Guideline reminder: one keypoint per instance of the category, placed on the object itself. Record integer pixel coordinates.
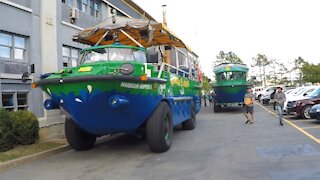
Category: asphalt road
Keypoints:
(310, 126)
(221, 147)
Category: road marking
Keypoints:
(302, 120)
(293, 125)
(311, 127)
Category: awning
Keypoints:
(146, 32)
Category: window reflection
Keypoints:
(231, 76)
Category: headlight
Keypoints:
(318, 110)
(126, 69)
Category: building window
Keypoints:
(94, 8)
(84, 6)
(22, 101)
(70, 3)
(14, 101)
(79, 4)
(12, 47)
(70, 56)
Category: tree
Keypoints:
(283, 70)
(262, 61)
(311, 72)
(298, 64)
(206, 83)
(274, 64)
(229, 57)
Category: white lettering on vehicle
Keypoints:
(135, 86)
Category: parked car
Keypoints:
(315, 112)
(265, 99)
(267, 91)
(302, 107)
(265, 95)
(257, 92)
(298, 94)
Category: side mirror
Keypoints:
(153, 57)
(305, 94)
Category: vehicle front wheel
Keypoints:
(159, 129)
(77, 138)
(216, 108)
(306, 112)
(190, 123)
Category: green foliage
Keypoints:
(26, 127)
(6, 131)
(261, 60)
(206, 83)
(311, 72)
(229, 57)
(298, 64)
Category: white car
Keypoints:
(299, 94)
(257, 92)
(265, 94)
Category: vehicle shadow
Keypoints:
(123, 142)
(231, 110)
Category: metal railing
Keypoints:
(177, 71)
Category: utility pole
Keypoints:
(164, 21)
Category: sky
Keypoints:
(280, 29)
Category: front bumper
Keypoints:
(315, 115)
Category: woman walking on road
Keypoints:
(248, 106)
(280, 98)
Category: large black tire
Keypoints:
(159, 129)
(190, 123)
(77, 138)
(216, 108)
(305, 112)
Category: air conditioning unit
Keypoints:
(73, 15)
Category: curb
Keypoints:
(33, 157)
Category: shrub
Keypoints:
(6, 131)
(25, 127)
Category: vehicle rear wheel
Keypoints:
(77, 138)
(306, 112)
(265, 101)
(190, 123)
(159, 129)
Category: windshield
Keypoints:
(113, 54)
(231, 76)
(299, 91)
(315, 93)
(308, 92)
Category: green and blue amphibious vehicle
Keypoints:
(230, 85)
(122, 85)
